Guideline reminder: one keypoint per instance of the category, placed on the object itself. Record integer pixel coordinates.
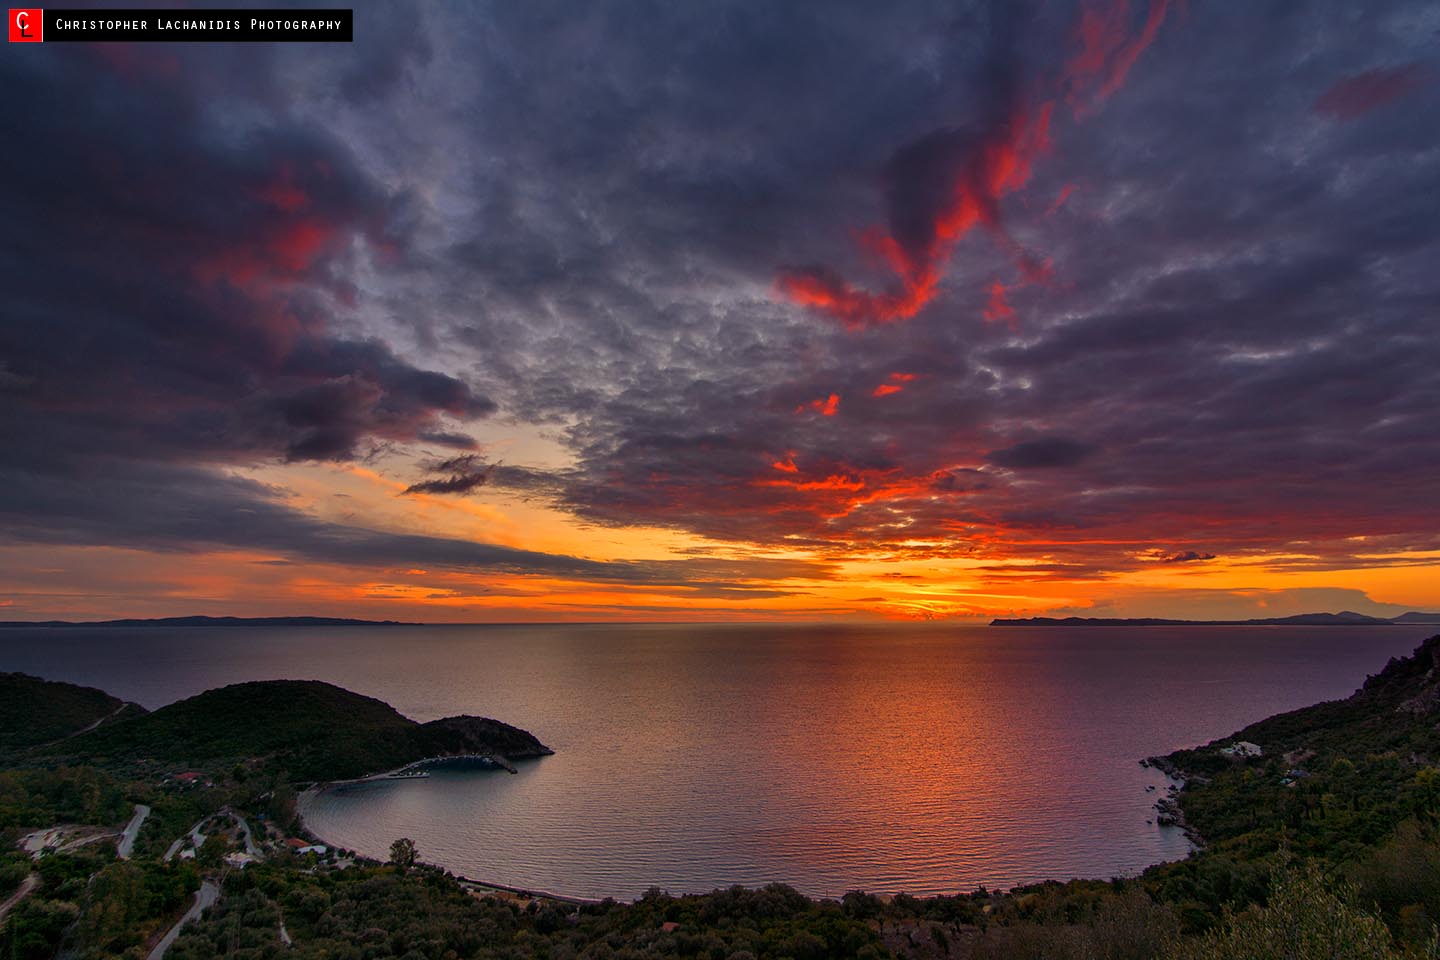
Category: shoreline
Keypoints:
(1167, 804)
(305, 798)
(1168, 812)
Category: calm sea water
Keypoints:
(919, 758)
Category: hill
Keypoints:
(1414, 617)
(1345, 618)
(35, 711)
(1329, 778)
(308, 729)
(1394, 710)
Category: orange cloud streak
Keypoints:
(895, 385)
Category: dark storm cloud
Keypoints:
(176, 291)
(456, 475)
(173, 277)
(1238, 316)
(1042, 453)
(575, 218)
(460, 441)
(1188, 556)
(921, 175)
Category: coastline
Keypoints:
(1185, 775)
(1168, 811)
(1167, 806)
(1372, 748)
(306, 798)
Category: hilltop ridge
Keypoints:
(309, 729)
(35, 711)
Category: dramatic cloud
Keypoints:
(181, 293)
(1229, 352)
(178, 509)
(1134, 300)
(941, 186)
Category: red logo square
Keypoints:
(27, 25)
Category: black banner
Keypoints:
(224, 26)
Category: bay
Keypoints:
(923, 758)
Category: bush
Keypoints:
(1305, 919)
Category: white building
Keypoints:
(1242, 748)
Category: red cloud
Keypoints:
(995, 165)
(897, 380)
(1065, 193)
(998, 308)
(1358, 95)
(826, 407)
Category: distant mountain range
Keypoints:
(1345, 618)
(215, 622)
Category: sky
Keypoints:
(725, 311)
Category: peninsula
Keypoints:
(1345, 618)
(304, 730)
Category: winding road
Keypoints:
(27, 886)
(132, 830)
(250, 846)
(193, 835)
(204, 898)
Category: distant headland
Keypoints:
(1345, 618)
(214, 622)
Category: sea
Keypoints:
(916, 758)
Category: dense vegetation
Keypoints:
(1325, 845)
(311, 730)
(35, 711)
(1334, 779)
(386, 912)
(93, 906)
(40, 797)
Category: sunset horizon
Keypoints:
(740, 480)
(956, 315)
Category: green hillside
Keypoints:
(35, 711)
(308, 729)
(1333, 777)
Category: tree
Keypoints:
(1305, 918)
(212, 851)
(403, 853)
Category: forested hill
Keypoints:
(1393, 711)
(35, 711)
(1330, 777)
(308, 729)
